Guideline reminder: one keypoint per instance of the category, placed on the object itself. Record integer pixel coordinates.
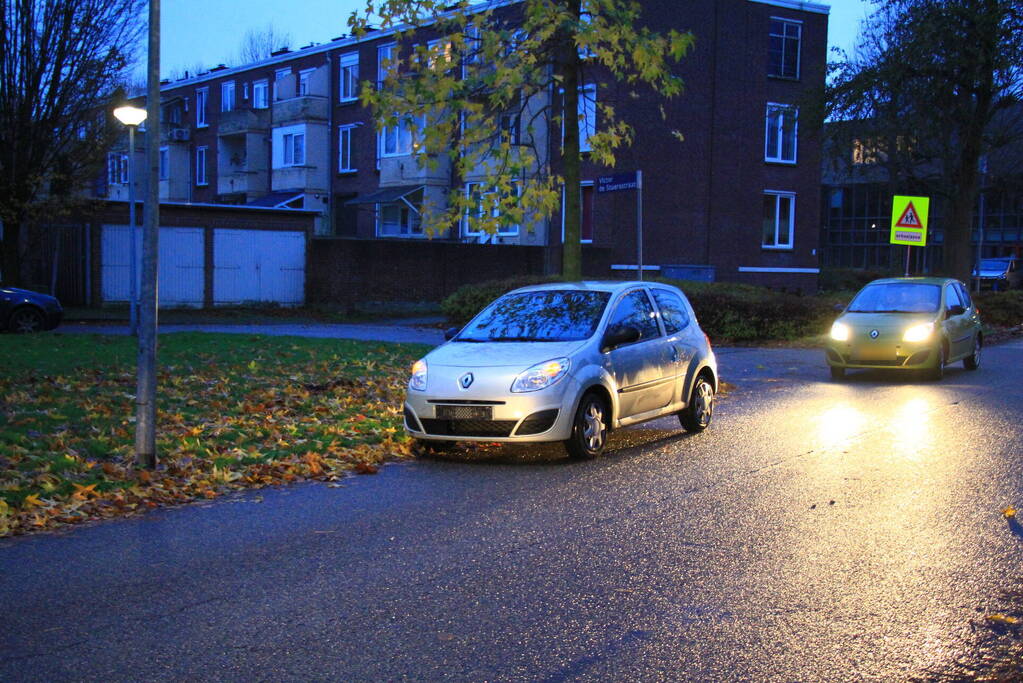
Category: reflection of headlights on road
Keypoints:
(840, 332)
(418, 380)
(541, 375)
(918, 333)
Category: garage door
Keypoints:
(258, 266)
(181, 261)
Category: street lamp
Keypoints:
(132, 117)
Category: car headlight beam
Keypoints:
(541, 375)
(418, 379)
(840, 332)
(918, 333)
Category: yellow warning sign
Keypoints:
(909, 220)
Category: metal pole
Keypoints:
(980, 237)
(133, 296)
(145, 394)
(907, 259)
(639, 223)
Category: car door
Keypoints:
(957, 327)
(675, 318)
(641, 369)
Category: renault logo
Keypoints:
(465, 381)
(873, 334)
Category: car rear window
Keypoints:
(897, 297)
(545, 315)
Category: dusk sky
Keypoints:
(210, 33)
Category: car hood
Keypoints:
(26, 293)
(499, 354)
(883, 321)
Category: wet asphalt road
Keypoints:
(818, 531)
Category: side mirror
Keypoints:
(955, 310)
(617, 336)
(451, 333)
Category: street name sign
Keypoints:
(617, 182)
(909, 220)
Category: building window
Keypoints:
(117, 169)
(779, 219)
(164, 163)
(279, 76)
(202, 95)
(398, 140)
(245, 91)
(439, 52)
(200, 166)
(386, 56)
(294, 149)
(509, 123)
(397, 220)
(349, 86)
(479, 202)
(780, 138)
(473, 48)
(303, 81)
(259, 94)
(866, 152)
(783, 53)
(227, 96)
(587, 108)
(345, 164)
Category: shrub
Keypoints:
(848, 279)
(1001, 309)
(469, 300)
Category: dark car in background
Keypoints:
(1000, 273)
(25, 311)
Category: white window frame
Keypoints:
(245, 90)
(411, 231)
(472, 43)
(279, 75)
(201, 178)
(303, 81)
(293, 149)
(344, 148)
(261, 87)
(348, 87)
(502, 231)
(386, 52)
(202, 98)
(582, 183)
(587, 116)
(779, 195)
(404, 141)
(164, 163)
(777, 155)
(799, 48)
(447, 53)
(117, 169)
(227, 90)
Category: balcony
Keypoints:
(249, 182)
(301, 109)
(241, 121)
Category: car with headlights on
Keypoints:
(913, 323)
(566, 362)
(22, 310)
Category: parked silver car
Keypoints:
(566, 362)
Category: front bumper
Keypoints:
(897, 356)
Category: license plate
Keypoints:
(464, 412)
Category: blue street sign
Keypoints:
(617, 182)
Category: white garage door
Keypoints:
(181, 261)
(258, 266)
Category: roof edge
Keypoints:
(814, 7)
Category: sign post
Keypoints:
(909, 222)
(628, 181)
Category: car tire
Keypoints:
(837, 373)
(936, 373)
(972, 362)
(697, 414)
(26, 320)
(589, 429)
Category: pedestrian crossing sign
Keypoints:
(909, 220)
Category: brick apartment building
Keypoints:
(738, 199)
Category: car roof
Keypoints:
(913, 280)
(612, 286)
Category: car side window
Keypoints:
(951, 297)
(673, 311)
(634, 309)
(964, 295)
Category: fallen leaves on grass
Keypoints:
(1009, 512)
(1001, 620)
(233, 413)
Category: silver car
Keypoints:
(566, 362)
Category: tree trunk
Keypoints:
(10, 266)
(571, 254)
(959, 254)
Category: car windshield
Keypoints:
(994, 264)
(897, 297)
(544, 316)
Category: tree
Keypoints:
(499, 84)
(934, 87)
(259, 43)
(61, 62)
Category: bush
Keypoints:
(469, 300)
(848, 279)
(1000, 309)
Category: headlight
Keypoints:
(418, 380)
(840, 332)
(918, 333)
(541, 376)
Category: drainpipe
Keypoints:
(332, 84)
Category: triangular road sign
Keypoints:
(909, 218)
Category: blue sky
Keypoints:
(210, 31)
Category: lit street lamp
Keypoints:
(132, 117)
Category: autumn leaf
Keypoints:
(1009, 512)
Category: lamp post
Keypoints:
(132, 117)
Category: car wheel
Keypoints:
(972, 362)
(25, 320)
(696, 416)
(589, 429)
(937, 372)
(837, 373)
